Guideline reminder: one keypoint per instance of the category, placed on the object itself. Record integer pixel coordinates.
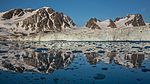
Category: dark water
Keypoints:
(98, 63)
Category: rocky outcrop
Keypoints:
(15, 12)
(136, 21)
(92, 24)
(111, 24)
(34, 21)
(131, 20)
(46, 20)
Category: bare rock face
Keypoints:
(41, 20)
(15, 12)
(111, 24)
(10, 14)
(46, 19)
(136, 21)
(132, 20)
(92, 24)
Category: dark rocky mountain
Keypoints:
(131, 20)
(44, 19)
(92, 24)
(136, 21)
(15, 12)
(111, 24)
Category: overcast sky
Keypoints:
(82, 10)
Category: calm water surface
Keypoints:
(75, 63)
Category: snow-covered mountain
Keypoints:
(45, 24)
(131, 20)
(94, 23)
(34, 21)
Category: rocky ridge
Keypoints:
(34, 21)
(131, 20)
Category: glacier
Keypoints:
(85, 34)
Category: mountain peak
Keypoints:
(45, 7)
(107, 20)
(34, 21)
(93, 22)
(131, 20)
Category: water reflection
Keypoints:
(40, 61)
(92, 57)
(26, 57)
(131, 60)
(75, 63)
(50, 61)
(135, 59)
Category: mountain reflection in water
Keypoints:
(131, 60)
(26, 57)
(75, 62)
(50, 61)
